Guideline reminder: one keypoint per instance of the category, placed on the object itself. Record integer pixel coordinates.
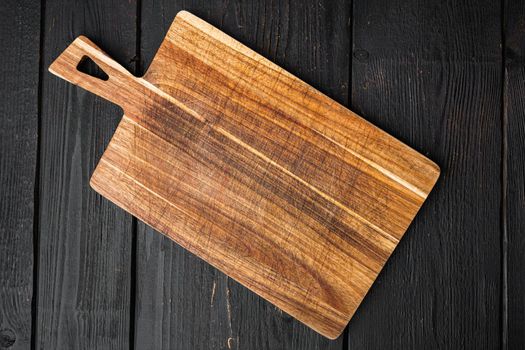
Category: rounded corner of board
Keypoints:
(95, 178)
(332, 333)
(184, 14)
(335, 335)
(436, 173)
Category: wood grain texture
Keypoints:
(514, 190)
(182, 302)
(85, 250)
(20, 38)
(430, 73)
(254, 171)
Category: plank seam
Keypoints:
(504, 173)
(36, 196)
(134, 226)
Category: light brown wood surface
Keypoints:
(267, 179)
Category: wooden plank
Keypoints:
(20, 37)
(85, 241)
(514, 170)
(430, 73)
(181, 299)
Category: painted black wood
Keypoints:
(514, 187)
(19, 69)
(182, 302)
(85, 241)
(429, 72)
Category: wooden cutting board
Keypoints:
(253, 170)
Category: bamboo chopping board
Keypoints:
(243, 164)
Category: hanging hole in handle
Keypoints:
(89, 67)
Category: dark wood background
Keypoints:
(446, 77)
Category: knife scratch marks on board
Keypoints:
(171, 99)
(388, 173)
(315, 189)
(378, 167)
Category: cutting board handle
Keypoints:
(112, 89)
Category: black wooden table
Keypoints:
(446, 77)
